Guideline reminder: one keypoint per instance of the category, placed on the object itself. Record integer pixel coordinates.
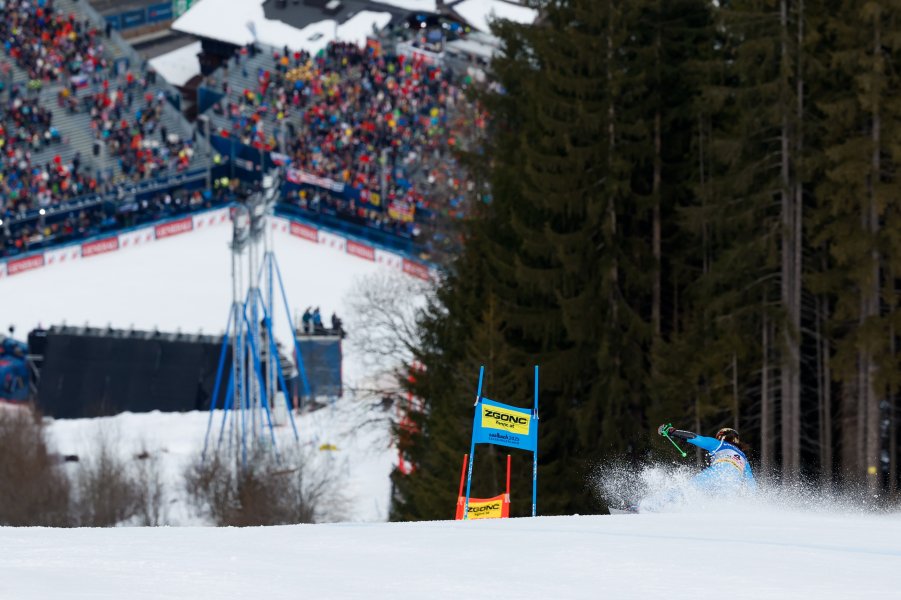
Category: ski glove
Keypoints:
(665, 430)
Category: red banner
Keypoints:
(415, 269)
(109, 244)
(21, 265)
(361, 250)
(305, 231)
(174, 227)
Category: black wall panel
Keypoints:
(97, 375)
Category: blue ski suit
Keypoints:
(729, 467)
(728, 473)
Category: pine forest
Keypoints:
(688, 211)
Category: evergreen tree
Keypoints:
(854, 207)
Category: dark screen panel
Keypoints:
(92, 375)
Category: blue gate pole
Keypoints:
(535, 452)
(472, 446)
(219, 370)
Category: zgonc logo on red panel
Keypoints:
(360, 250)
(305, 231)
(415, 269)
(109, 244)
(174, 227)
(21, 265)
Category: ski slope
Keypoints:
(772, 549)
(183, 283)
(771, 555)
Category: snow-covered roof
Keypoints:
(480, 13)
(356, 28)
(241, 22)
(474, 47)
(178, 66)
(423, 5)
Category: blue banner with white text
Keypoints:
(505, 425)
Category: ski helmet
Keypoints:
(728, 434)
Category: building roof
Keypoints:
(241, 22)
(480, 13)
(179, 66)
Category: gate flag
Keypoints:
(483, 508)
(504, 425)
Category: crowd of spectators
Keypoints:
(382, 125)
(26, 128)
(48, 45)
(67, 53)
(103, 216)
(379, 126)
(143, 147)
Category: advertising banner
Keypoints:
(110, 244)
(20, 265)
(171, 228)
(299, 176)
(305, 231)
(505, 425)
(415, 269)
(361, 250)
(159, 12)
(484, 508)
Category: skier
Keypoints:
(728, 472)
(729, 466)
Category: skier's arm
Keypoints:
(692, 438)
(678, 433)
(707, 443)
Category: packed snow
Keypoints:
(773, 554)
(359, 451)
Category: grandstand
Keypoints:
(367, 133)
(107, 116)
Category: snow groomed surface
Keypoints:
(769, 555)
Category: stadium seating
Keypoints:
(368, 138)
(83, 63)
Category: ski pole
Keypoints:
(673, 442)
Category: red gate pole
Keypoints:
(460, 498)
